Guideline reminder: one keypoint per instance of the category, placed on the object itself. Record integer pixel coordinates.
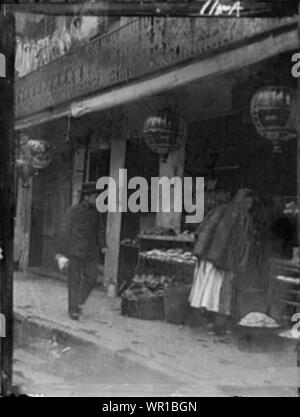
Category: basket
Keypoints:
(176, 304)
(257, 339)
(147, 308)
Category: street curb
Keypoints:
(37, 327)
(32, 326)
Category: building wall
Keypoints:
(41, 204)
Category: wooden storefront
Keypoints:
(93, 87)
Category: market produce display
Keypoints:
(152, 281)
(162, 267)
(257, 319)
(159, 231)
(147, 285)
(175, 263)
(170, 255)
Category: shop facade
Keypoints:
(208, 72)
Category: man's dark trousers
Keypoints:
(82, 278)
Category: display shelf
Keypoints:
(181, 271)
(170, 238)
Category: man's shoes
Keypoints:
(74, 316)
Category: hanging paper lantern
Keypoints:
(273, 112)
(165, 132)
(39, 153)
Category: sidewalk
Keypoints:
(198, 363)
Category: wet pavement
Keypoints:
(106, 354)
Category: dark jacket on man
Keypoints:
(83, 233)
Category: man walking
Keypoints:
(80, 243)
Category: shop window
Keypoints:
(98, 164)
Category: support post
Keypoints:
(114, 220)
(174, 167)
(298, 139)
(7, 203)
(78, 174)
(26, 225)
(298, 185)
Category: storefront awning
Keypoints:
(42, 117)
(271, 45)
